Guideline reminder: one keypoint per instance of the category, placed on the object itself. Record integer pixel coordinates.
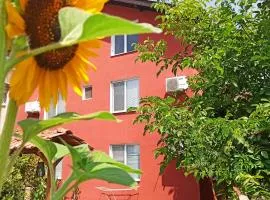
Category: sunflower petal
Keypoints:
(23, 81)
(16, 24)
(23, 4)
(73, 79)
(62, 80)
(93, 6)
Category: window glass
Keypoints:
(131, 39)
(58, 170)
(119, 44)
(59, 108)
(127, 154)
(4, 101)
(133, 155)
(132, 93)
(88, 92)
(52, 111)
(118, 96)
(61, 105)
(133, 158)
(118, 153)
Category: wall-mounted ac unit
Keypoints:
(178, 83)
(32, 106)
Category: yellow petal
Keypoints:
(73, 79)
(92, 6)
(62, 79)
(16, 24)
(23, 4)
(92, 44)
(22, 82)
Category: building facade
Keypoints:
(118, 84)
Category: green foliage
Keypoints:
(32, 127)
(223, 131)
(76, 26)
(88, 165)
(23, 175)
(233, 152)
(231, 48)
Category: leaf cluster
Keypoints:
(230, 44)
(222, 131)
(233, 152)
(86, 164)
(23, 174)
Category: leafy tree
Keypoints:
(24, 175)
(222, 132)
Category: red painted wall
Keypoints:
(173, 185)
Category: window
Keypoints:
(87, 92)
(5, 97)
(123, 44)
(129, 154)
(124, 94)
(55, 110)
(59, 170)
(165, 1)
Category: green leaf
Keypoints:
(51, 150)
(33, 127)
(101, 157)
(78, 25)
(20, 43)
(109, 173)
(264, 154)
(62, 151)
(48, 148)
(97, 165)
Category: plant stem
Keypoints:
(14, 156)
(3, 21)
(51, 169)
(3, 46)
(5, 139)
(64, 188)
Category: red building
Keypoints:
(118, 84)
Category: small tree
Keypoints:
(24, 174)
(219, 132)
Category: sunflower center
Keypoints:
(42, 27)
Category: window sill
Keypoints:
(121, 54)
(123, 112)
(87, 99)
(138, 180)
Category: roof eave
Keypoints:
(139, 4)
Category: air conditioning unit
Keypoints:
(178, 83)
(32, 106)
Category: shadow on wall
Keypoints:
(183, 187)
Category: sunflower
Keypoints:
(50, 72)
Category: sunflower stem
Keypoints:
(64, 188)
(3, 21)
(3, 48)
(5, 139)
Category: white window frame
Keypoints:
(83, 95)
(125, 155)
(56, 110)
(125, 46)
(59, 174)
(125, 94)
(165, 1)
